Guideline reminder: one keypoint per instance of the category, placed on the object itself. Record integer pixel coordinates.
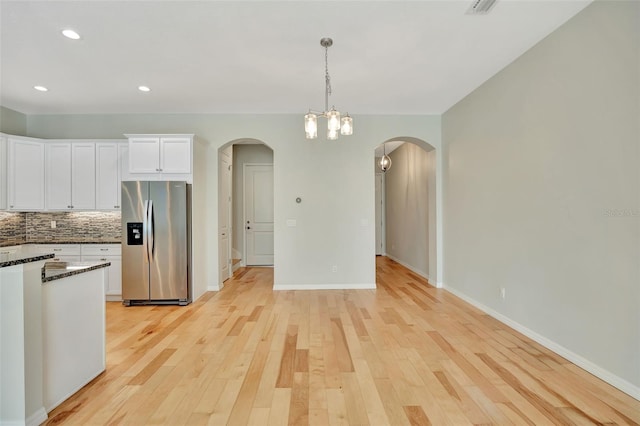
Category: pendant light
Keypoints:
(385, 160)
(335, 123)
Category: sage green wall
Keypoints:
(542, 192)
(12, 122)
(407, 207)
(335, 221)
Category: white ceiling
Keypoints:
(388, 57)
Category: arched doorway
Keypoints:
(406, 219)
(245, 194)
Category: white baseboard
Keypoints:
(614, 380)
(324, 286)
(37, 418)
(409, 267)
(215, 287)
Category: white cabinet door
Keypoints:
(175, 155)
(114, 275)
(63, 252)
(114, 286)
(109, 253)
(144, 155)
(83, 176)
(107, 176)
(26, 165)
(112, 165)
(123, 153)
(3, 172)
(58, 181)
(70, 171)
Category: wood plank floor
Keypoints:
(404, 354)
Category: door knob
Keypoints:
(248, 227)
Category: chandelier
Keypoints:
(385, 160)
(334, 122)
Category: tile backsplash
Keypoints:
(13, 227)
(22, 228)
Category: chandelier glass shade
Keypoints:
(385, 160)
(335, 123)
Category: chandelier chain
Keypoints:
(327, 78)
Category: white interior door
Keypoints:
(258, 214)
(224, 216)
(379, 214)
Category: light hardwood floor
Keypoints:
(406, 353)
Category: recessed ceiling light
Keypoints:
(41, 88)
(144, 89)
(71, 34)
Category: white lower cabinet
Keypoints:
(63, 252)
(107, 253)
(90, 253)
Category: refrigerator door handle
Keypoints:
(151, 231)
(145, 231)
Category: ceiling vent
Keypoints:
(481, 7)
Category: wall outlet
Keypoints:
(53, 224)
(503, 293)
(334, 268)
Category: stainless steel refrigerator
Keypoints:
(156, 242)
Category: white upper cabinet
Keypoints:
(3, 172)
(160, 157)
(83, 176)
(58, 180)
(110, 158)
(175, 155)
(25, 174)
(144, 155)
(71, 175)
(40, 174)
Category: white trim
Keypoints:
(596, 370)
(324, 286)
(383, 218)
(37, 418)
(409, 267)
(215, 287)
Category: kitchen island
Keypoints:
(33, 314)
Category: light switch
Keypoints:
(292, 223)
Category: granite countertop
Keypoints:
(56, 270)
(12, 259)
(76, 241)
